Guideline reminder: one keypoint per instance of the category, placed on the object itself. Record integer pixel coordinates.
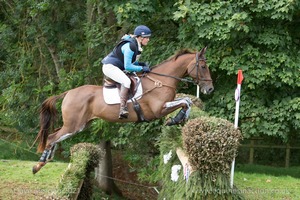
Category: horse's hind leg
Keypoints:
(49, 151)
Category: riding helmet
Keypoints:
(143, 31)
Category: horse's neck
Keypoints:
(176, 68)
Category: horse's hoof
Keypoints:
(37, 167)
(170, 122)
(35, 170)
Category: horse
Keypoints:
(85, 103)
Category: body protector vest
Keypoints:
(116, 57)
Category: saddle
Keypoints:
(111, 93)
(135, 82)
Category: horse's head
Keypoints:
(199, 71)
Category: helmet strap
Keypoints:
(139, 41)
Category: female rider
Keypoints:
(124, 57)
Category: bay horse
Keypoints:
(82, 104)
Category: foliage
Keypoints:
(138, 141)
(242, 35)
(211, 144)
(211, 188)
(145, 133)
(84, 158)
(205, 140)
(14, 146)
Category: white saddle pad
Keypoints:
(112, 95)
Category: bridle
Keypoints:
(159, 84)
(198, 79)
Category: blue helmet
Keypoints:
(143, 31)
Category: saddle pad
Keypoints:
(112, 96)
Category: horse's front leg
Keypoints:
(185, 104)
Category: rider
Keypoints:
(124, 57)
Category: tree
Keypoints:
(262, 39)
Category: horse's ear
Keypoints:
(202, 52)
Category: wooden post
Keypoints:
(251, 156)
(105, 170)
(287, 155)
(184, 159)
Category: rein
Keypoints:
(158, 84)
(185, 79)
(177, 78)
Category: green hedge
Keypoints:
(76, 182)
(210, 143)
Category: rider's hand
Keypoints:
(146, 69)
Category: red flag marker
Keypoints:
(240, 77)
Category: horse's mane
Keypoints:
(180, 53)
(176, 55)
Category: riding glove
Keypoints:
(146, 69)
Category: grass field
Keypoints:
(263, 182)
(18, 182)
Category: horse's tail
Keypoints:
(47, 116)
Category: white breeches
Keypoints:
(116, 74)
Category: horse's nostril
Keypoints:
(210, 90)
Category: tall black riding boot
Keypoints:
(123, 104)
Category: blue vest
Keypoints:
(116, 57)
